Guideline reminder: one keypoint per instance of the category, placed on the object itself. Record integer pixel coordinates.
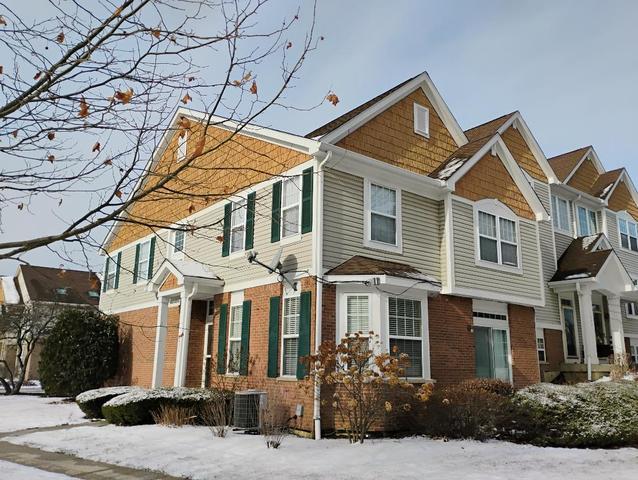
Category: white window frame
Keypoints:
(397, 247)
(236, 301)
(540, 345)
(421, 110)
(111, 268)
(346, 297)
(425, 359)
(494, 308)
(631, 309)
(570, 298)
(633, 349)
(629, 220)
(182, 144)
(236, 209)
(142, 274)
(208, 331)
(500, 211)
(298, 181)
(284, 336)
(174, 252)
(588, 211)
(556, 221)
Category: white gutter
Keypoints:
(318, 262)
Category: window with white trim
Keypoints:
(111, 269)
(540, 346)
(234, 338)
(143, 258)
(237, 226)
(179, 241)
(498, 240)
(405, 331)
(421, 120)
(181, 146)
(560, 214)
(291, 206)
(632, 309)
(290, 336)
(587, 222)
(383, 212)
(628, 234)
(633, 350)
(357, 314)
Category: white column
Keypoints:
(160, 341)
(615, 324)
(587, 325)
(181, 358)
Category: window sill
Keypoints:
(499, 267)
(632, 317)
(236, 255)
(291, 239)
(287, 378)
(384, 247)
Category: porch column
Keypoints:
(160, 342)
(181, 358)
(615, 324)
(587, 325)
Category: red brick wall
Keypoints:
(523, 339)
(553, 351)
(194, 365)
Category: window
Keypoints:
(290, 337)
(491, 352)
(111, 273)
(234, 339)
(632, 309)
(181, 146)
(208, 344)
(633, 350)
(61, 291)
(179, 238)
(357, 314)
(498, 240)
(421, 120)
(290, 206)
(144, 255)
(560, 209)
(540, 346)
(237, 226)
(628, 234)
(382, 216)
(587, 222)
(567, 308)
(405, 332)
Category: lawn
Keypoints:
(19, 412)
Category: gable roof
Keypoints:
(581, 259)
(605, 183)
(360, 265)
(42, 284)
(455, 161)
(488, 128)
(565, 163)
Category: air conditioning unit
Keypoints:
(247, 408)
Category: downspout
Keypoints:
(318, 262)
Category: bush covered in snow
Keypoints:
(137, 407)
(601, 414)
(91, 401)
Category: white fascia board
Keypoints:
(367, 167)
(494, 296)
(589, 153)
(570, 193)
(425, 83)
(519, 124)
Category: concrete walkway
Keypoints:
(68, 464)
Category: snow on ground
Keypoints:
(19, 412)
(20, 472)
(195, 453)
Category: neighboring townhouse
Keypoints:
(390, 218)
(35, 286)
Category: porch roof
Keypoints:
(582, 259)
(185, 272)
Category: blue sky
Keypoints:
(570, 67)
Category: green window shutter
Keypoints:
(137, 259)
(275, 229)
(106, 272)
(117, 270)
(306, 200)
(250, 221)
(244, 356)
(151, 258)
(303, 350)
(273, 337)
(228, 210)
(221, 339)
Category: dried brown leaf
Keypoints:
(51, 135)
(2, 21)
(156, 32)
(96, 147)
(108, 161)
(37, 75)
(253, 88)
(51, 158)
(332, 98)
(60, 37)
(118, 193)
(125, 96)
(187, 98)
(84, 109)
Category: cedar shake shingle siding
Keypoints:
(585, 177)
(564, 164)
(522, 153)
(621, 199)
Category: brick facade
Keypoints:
(554, 352)
(525, 368)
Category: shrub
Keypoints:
(477, 409)
(602, 414)
(217, 414)
(174, 415)
(79, 354)
(136, 408)
(91, 401)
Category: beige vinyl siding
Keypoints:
(549, 314)
(343, 226)
(630, 325)
(629, 259)
(470, 275)
(562, 243)
(443, 249)
(203, 246)
(542, 190)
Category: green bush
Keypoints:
(137, 407)
(600, 414)
(79, 354)
(91, 401)
(475, 409)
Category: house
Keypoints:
(45, 286)
(390, 218)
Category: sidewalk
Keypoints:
(68, 464)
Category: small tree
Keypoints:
(24, 327)
(365, 381)
(80, 353)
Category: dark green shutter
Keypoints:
(303, 349)
(117, 270)
(106, 272)
(244, 355)
(306, 200)
(228, 210)
(151, 258)
(273, 337)
(137, 259)
(275, 228)
(250, 221)
(221, 339)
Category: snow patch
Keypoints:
(589, 241)
(576, 276)
(11, 295)
(22, 472)
(451, 168)
(104, 392)
(606, 190)
(19, 412)
(173, 393)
